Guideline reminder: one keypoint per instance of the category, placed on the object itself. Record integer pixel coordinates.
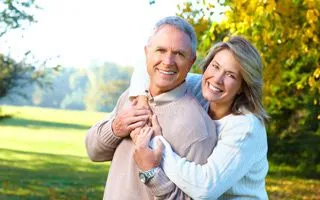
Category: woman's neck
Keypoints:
(218, 111)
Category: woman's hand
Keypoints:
(145, 157)
(155, 127)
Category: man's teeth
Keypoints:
(165, 72)
(215, 89)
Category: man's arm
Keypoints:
(103, 138)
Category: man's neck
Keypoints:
(155, 91)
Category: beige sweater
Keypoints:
(185, 125)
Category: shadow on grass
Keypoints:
(27, 175)
(2, 117)
(39, 124)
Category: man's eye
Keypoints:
(180, 54)
(160, 50)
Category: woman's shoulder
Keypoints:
(245, 123)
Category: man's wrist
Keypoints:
(146, 176)
(113, 130)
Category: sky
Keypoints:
(79, 33)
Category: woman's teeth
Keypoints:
(215, 89)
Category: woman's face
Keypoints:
(222, 80)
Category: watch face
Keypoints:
(142, 177)
(147, 175)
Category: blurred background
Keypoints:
(63, 64)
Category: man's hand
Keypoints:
(145, 157)
(130, 118)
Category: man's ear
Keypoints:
(193, 60)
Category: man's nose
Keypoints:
(168, 59)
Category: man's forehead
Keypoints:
(170, 35)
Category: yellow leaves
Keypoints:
(271, 6)
(312, 16)
(310, 3)
(314, 79)
(260, 11)
(316, 73)
(299, 86)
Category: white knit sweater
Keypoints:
(236, 168)
(238, 165)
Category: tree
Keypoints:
(105, 85)
(14, 75)
(15, 13)
(286, 32)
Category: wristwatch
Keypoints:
(146, 176)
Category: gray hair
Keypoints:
(251, 73)
(180, 24)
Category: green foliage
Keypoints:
(14, 76)
(286, 33)
(15, 13)
(43, 157)
(105, 85)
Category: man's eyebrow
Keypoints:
(180, 51)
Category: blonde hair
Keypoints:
(251, 72)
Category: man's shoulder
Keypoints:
(190, 109)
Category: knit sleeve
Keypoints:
(161, 186)
(100, 141)
(237, 150)
(164, 189)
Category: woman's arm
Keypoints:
(232, 158)
(139, 82)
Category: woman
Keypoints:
(237, 167)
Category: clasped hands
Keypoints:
(138, 122)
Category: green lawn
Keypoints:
(42, 156)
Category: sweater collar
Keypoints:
(169, 96)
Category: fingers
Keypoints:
(134, 102)
(134, 134)
(143, 138)
(141, 111)
(135, 119)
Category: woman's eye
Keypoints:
(215, 67)
(231, 75)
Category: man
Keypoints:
(170, 53)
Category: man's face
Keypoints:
(169, 58)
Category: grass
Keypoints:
(42, 156)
